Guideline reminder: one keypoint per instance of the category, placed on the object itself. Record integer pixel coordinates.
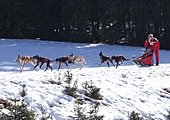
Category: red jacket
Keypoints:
(152, 43)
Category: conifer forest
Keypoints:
(126, 22)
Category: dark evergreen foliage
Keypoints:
(81, 112)
(18, 110)
(70, 89)
(112, 21)
(135, 116)
(23, 91)
(168, 116)
(91, 90)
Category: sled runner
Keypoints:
(144, 60)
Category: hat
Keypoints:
(150, 35)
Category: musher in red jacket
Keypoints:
(153, 43)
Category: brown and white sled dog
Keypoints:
(62, 60)
(105, 59)
(23, 60)
(80, 60)
(117, 59)
(42, 60)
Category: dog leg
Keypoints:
(41, 65)
(112, 63)
(121, 61)
(46, 66)
(108, 64)
(50, 68)
(59, 66)
(22, 67)
(36, 65)
(66, 65)
(117, 65)
(33, 62)
(74, 65)
(81, 66)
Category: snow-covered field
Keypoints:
(125, 89)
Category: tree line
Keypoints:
(108, 21)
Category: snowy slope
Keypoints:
(126, 89)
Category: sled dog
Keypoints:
(62, 60)
(23, 60)
(42, 60)
(105, 59)
(118, 59)
(80, 60)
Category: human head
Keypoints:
(150, 36)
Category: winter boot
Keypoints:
(157, 63)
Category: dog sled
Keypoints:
(144, 60)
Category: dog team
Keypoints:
(36, 60)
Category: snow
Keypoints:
(125, 89)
